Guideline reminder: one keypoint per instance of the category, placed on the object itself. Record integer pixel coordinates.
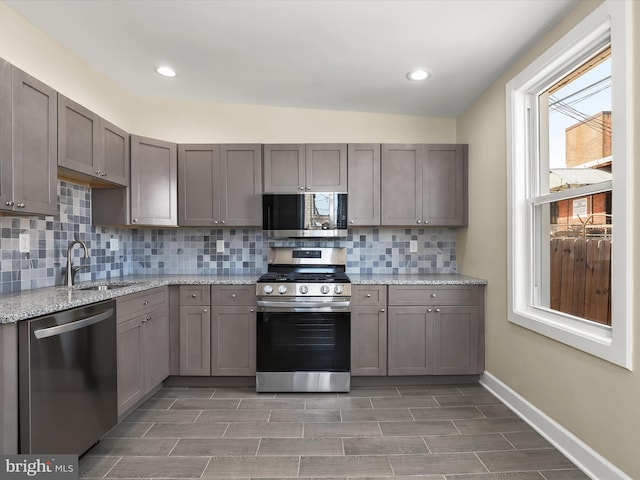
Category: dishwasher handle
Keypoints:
(70, 327)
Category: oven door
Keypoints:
(303, 350)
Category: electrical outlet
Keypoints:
(220, 246)
(413, 246)
(24, 242)
(114, 245)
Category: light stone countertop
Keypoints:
(42, 301)
(414, 279)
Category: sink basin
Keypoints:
(108, 286)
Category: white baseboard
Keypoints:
(582, 455)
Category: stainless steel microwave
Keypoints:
(317, 214)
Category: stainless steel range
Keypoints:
(304, 322)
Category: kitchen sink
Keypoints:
(108, 286)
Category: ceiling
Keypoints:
(328, 54)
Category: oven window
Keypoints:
(290, 342)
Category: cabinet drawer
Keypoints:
(433, 295)
(369, 295)
(195, 295)
(136, 303)
(233, 295)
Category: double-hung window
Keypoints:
(570, 162)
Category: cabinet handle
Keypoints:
(351, 222)
(135, 220)
(429, 310)
(145, 303)
(9, 203)
(205, 310)
(368, 295)
(418, 222)
(223, 222)
(104, 174)
(233, 295)
(425, 221)
(433, 295)
(308, 188)
(301, 188)
(193, 295)
(97, 172)
(20, 205)
(438, 310)
(382, 310)
(215, 222)
(251, 310)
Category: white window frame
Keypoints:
(612, 20)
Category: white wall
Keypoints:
(595, 400)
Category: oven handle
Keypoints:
(304, 306)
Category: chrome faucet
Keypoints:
(71, 270)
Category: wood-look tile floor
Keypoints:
(420, 432)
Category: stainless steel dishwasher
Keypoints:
(67, 379)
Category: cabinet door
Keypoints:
(444, 194)
(156, 347)
(233, 341)
(35, 145)
(368, 341)
(456, 340)
(6, 173)
(199, 176)
(410, 340)
(326, 167)
(241, 185)
(78, 138)
(402, 184)
(154, 196)
(114, 154)
(195, 340)
(131, 373)
(364, 184)
(284, 168)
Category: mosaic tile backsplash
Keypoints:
(120, 251)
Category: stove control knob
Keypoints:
(324, 289)
(304, 289)
(338, 289)
(282, 289)
(268, 289)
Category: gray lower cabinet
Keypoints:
(424, 185)
(142, 328)
(220, 185)
(154, 182)
(28, 143)
(368, 330)
(294, 168)
(233, 330)
(363, 184)
(195, 330)
(436, 330)
(89, 147)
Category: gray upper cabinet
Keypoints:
(90, 146)
(154, 182)
(326, 167)
(296, 168)
(364, 184)
(28, 143)
(284, 168)
(220, 185)
(424, 185)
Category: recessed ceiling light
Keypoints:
(166, 71)
(419, 74)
